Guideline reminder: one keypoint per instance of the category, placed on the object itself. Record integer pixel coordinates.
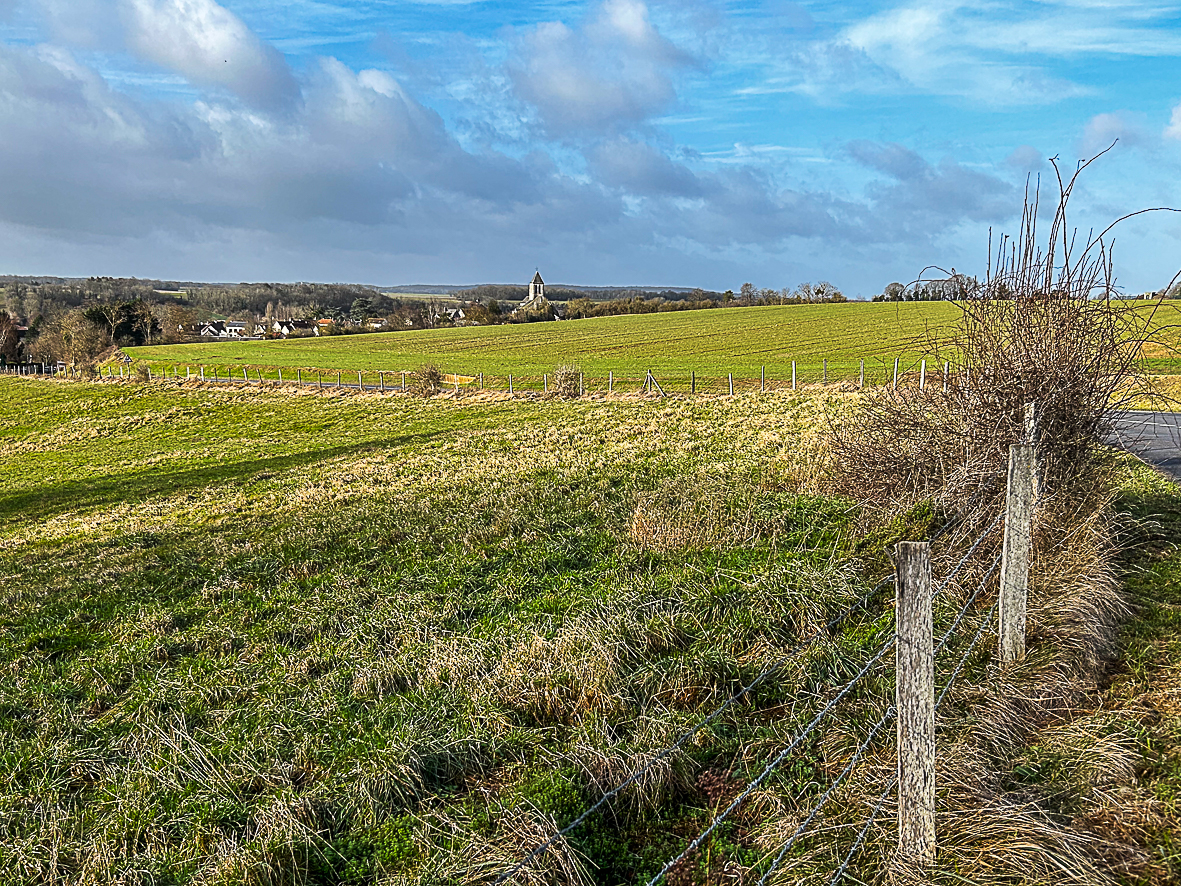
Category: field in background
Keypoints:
(713, 343)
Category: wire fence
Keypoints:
(777, 377)
(801, 734)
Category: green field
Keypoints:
(257, 636)
(711, 343)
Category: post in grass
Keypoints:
(762, 379)
(895, 373)
(545, 383)
(610, 381)
(1017, 550)
(692, 381)
(360, 386)
(510, 384)
(915, 703)
(923, 375)
(861, 379)
(946, 373)
(824, 371)
(793, 375)
(731, 378)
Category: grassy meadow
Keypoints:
(269, 637)
(261, 636)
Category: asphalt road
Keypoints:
(1155, 437)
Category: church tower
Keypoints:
(536, 287)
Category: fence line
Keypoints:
(847, 371)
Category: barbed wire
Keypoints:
(690, 733)
(894, 781)
(890, 713)
(774, 764)
(726, 705)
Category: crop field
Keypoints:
(712, 343)
(261, 636)
(684, 350)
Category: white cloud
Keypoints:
(210, 46)
(1105, 130)
(1173, 130)
(613, 72)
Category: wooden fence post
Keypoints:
(544, 383)
(403, 381)
(202, 373)
(692, 381)
(581, 384)
(731, 384)
(861, 380)
(923, 375)
(610, 381)
(360, 385)
(762, 379)
(510, 384)
(320, 378)
(381, 381)
(915, 701)
(338, 379)
(946, 373)
(481, 381)
(793, 375)
(1017, 549)
(245, 377)
(824, 372)
(895, 373)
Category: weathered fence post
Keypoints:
(338, 378)
(861, 380)
(403, 381)
(381, 381)
(793, 375)
(245, 377)
(915, 701)
(481, 381)
(762, 379)
(610, 381)
(923, 375)
(824, 372)
(946, 373)
(202, 373)
(455, 377)
(692, 381)
(731, 384)
(510, 384)
(1017, 549)
(544, 383)
(360, 385)
(895, 373)
(581, 384)
(320, 378)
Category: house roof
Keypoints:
(537, 278)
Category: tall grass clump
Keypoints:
(567, 382)
(427, 380)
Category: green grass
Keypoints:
(263, 636)
(711, 343)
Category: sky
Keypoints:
(613, 142)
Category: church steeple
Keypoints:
(536, 286)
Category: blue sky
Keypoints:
(611, 142)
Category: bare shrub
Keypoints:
(1045, 327)
(567, 382)
(143, 372)
(427, 380)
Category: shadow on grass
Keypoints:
(43, 502)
